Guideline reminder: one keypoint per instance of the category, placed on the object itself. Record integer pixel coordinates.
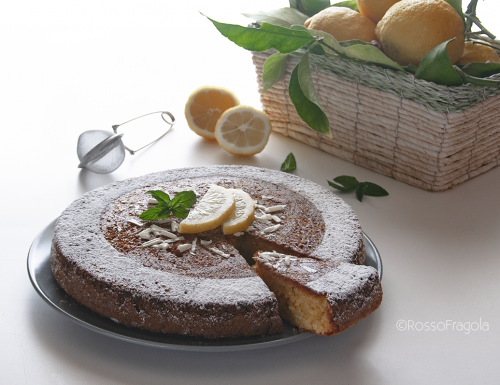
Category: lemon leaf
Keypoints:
(349, 4)
(436, 67)
(274, 70)
(304, 98)
(309, 7)
(266, 37)
(477, 81)
(481, 70)
(371, 54)
(284, 17)
(457, 4)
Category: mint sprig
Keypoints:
(349, 184)
(289, 164)
(178, 206)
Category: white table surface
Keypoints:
(67, 67)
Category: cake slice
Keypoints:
(323, 297)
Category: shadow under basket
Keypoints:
(429, 136)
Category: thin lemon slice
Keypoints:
(211, 211)
(243, 130)
(205, 106)
(243, 214)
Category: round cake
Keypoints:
(101, 257)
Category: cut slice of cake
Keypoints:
(323, 297)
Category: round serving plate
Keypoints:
(43, 281)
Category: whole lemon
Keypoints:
(411, 28)
(375, 9)
(343, 24)
(478, 53)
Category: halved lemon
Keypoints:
(243, 130)
(211, 211)
(205, 106)
(243, 214)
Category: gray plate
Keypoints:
(46, 286)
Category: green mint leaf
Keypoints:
(184, 198)
(360, 191)
(301, 91)
(180, 211)
(266, 37)
(349, 183)
(289, 164)
(436, 67)
(338, 187)
(274, 70)
(284, 17)
(160, 196)
(153, 213)
(348, 4)
(481, 70)
(374, 190)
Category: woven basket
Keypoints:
(430, 136)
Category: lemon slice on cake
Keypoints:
(243, 130)
(211, 211)
(243, 214)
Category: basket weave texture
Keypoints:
(429, 136)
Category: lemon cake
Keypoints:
(152, 276)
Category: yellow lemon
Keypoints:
(478, 53)
(411, 28)
(210, 212)
(343, 24)
(243, 130)
(205, 106)
(375, 9)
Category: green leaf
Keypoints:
(436, 67)
(360, 191)
(411, 68)
(457, 4)
(328, 40)
(371, 54)
(348, 43)
(349, 4)
(310, 7)
(481, 70)
(289, 164)
(477, 81)
(152, 213)
(266, 37)
(274, 70)
(348, 183)
(374, 190)
(184, 199)
(284, 17)
(301, 91)
(160, 196)
(180, 211)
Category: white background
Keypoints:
(71, 66)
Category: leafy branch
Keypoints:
(283, 31)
